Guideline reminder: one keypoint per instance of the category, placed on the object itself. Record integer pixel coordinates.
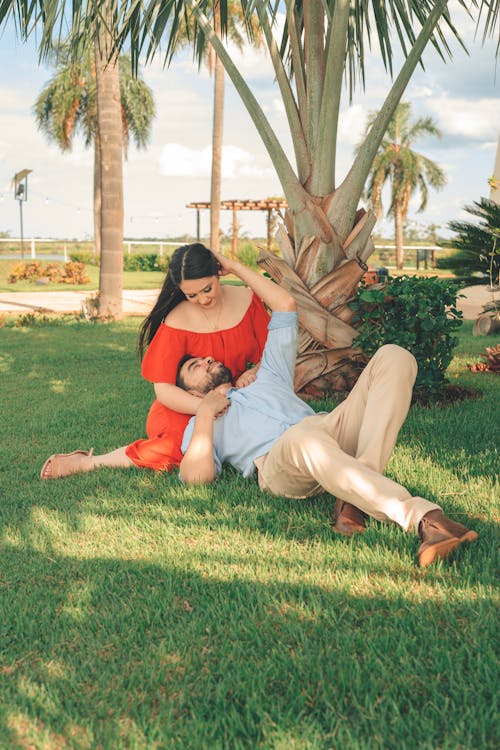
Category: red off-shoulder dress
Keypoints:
(236, 347)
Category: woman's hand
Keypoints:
(227, 265)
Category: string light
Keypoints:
(49, 200)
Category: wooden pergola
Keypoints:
(235, 205)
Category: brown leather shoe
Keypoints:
(348, 519)
(440, 537)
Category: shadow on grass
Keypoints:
(231, 512)
(118, 653)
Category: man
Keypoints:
(266, 427)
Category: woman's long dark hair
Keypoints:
(187, 262)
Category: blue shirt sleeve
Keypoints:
(278, 358)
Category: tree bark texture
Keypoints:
(109, 118)
(398, 236)
(97, 195)
(218, 125)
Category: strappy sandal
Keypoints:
(64, 464)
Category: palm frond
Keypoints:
(423, 126)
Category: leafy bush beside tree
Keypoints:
(420, 315)
(132, 262)
(145, 262)
(82, 256)
(477, 244)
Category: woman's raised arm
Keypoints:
(274, 296)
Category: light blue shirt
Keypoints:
(262, 411)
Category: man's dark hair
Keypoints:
(179, 380)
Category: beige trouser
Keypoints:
(345, 451)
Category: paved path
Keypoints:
(475, 297)
(135, 301)
(140, 302)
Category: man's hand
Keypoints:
(215, 403)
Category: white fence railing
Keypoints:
(423, 254)
(28, 247)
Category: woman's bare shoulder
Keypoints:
(179, 316)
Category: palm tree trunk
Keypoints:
(109, 123)
(218, 124)
(97, 195)
(398, 237)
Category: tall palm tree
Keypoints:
(405, 169)
(68, 105)
(326, 240)
(110, 145)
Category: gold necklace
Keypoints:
(214, 324)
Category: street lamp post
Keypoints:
(20, 184)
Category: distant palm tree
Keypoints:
(406, 170)
(68, 104)
(235, 24)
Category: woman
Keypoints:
(194, 314)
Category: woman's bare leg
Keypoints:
(79, 462)
(117, 459)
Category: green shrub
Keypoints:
(477, 249)
(145, 262)
(248, 254)
(81, 256)
(420, 315)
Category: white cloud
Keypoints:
(419, 92)
(277, 105)
(181, 161)
(476, 119)
(352, 122)
(252, 63)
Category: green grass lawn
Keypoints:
(139, 614)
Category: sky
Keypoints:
(460, 95)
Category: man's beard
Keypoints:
(217, 376)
